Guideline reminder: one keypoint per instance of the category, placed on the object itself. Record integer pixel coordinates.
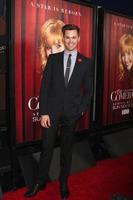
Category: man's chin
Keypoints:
(71, 49)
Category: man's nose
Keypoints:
(70, 40)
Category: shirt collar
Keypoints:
(73, 53)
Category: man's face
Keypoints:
(71, 39)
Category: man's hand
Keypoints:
(45, 121)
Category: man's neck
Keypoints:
(70, 52)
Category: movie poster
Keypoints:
(33, 42)
(118, 69)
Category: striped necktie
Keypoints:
(67, 70)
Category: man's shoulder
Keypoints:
(82, 57)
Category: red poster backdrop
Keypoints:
(30, 16)
(118, 69)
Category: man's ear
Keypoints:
(79, 39)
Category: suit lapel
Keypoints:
(61, 66)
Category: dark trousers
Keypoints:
(49, 137)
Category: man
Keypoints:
(61, 104)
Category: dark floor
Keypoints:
(86, 153)
(119, 143)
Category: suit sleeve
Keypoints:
(88, 88)
(45, 87)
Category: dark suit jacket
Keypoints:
(55, 98)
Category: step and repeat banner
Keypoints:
(118, 69)
(36, 33)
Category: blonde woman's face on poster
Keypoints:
(127, 60)
(54, 48)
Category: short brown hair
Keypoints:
(70, 27)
